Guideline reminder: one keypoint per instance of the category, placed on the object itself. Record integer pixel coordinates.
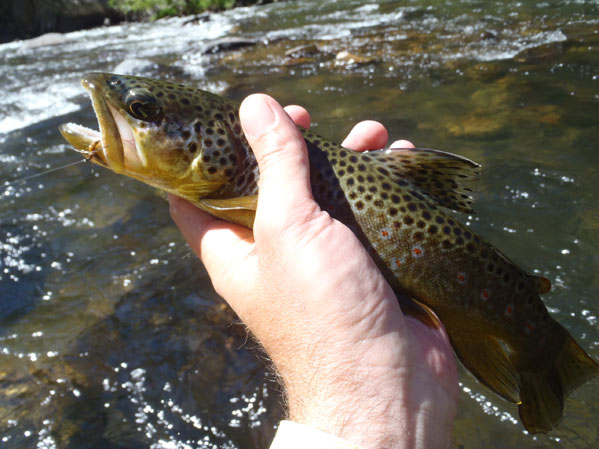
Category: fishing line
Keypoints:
(6, 184)
(88, 153)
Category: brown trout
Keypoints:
(190, 142)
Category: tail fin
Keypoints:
(543, 389)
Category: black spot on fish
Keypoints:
(446, 230)
(211, 170)
(426, 215)
(393, 211)
(432, 229)
(353, 159)
(418, 236)
(412, 207)
(359, 205)
(192, 147)
(185, 101)
(350, 181)
(197, 127)
(408, 220)
(439, 219)
(484, 254)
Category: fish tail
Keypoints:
(544, 387)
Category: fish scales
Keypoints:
(190, 142)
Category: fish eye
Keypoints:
(142, 105)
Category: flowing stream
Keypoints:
(110, 333)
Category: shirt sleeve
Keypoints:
(291, 435)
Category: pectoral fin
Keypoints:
(241, 210)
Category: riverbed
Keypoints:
(110, 332)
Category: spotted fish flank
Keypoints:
(189, 142)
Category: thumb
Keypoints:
(282, 159)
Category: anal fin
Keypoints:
(484, 357)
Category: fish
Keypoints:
(189, 142)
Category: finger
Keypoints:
(299, 115)
(402, 144)
(220, 245)
(367, 135)
(282, 160)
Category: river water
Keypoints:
(110, 333)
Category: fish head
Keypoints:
(174, 137)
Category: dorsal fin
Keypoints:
(440, 176)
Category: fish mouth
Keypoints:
(114, 145)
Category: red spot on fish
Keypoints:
(417, 251)
(462, 278)
(509, 310)
(398, 262)
(529, 327)
(385, 233)
(485, 294)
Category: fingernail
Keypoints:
(257, 117)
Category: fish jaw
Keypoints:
(112, 146)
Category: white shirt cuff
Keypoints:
(291, 435)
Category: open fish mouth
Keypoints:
(114, 145)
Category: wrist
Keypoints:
(368, 397)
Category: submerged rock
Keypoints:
(227, 44)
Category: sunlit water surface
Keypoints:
(110, 333)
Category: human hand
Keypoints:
(351, 363)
